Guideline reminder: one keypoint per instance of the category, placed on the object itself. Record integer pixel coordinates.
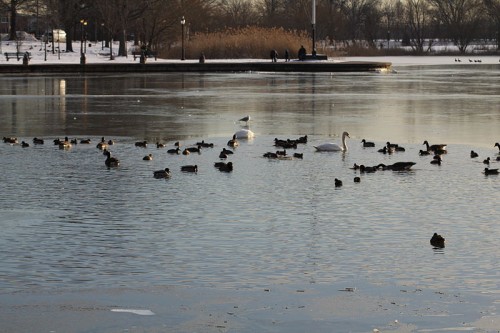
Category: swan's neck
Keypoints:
(344, 145)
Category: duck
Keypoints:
(439, 147)
(160, 145)
(244, 134)
(25, 144)
(189, 168)
(281, 152)
(424, 152)
(226, 167)
(111, 142)
(398, 166)
(487, 161)
(490, 171)
(298, 155)
(497, 145)
(174, 151)
(367, 144)
(338, 182)
(111, 161)
(186, 152)
(437, 240)
(165, 173)
(270, 155)
(64, 144)
(142, 144)
(148, 157)
(10, 140)
(177, 144)
(194, 149)
(473, 154)
(74, 141)
(222, 155)
(329, 146)
(233, 142)
(227, 151)
(357, 179)
(102, 145)
(436, 160)
(38, 141)
(85, 141)
(205, 144)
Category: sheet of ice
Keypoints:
(140, 312)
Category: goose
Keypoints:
(189, 168)
(102, 145)
(148, 157)
(437, 240)
(111, 161)
(367, 143)
(334, 146)
(398, 166)
(367, 169)
(244, 134)
(439, 147)
(233, 142)
(473, 154)
(38, 141)
(490, 171)
(497, 145)
(162, 173)
(338, 182)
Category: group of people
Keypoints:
(301, 54)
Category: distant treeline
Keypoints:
(348, 24)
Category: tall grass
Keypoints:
(243, 43)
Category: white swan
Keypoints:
(330, 146)
(244, 134)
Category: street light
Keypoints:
(183, 22)
(82, 55)
(102, 36)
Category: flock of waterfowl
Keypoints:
(435, 150)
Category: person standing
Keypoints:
(274, 55)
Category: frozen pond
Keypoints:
(68, 222)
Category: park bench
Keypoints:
(17, 55)
(148, 54)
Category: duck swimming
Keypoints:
(111, 161)
(338, 182)
(497, 145)
(233, 142)
(490, 171)
(330, 146)
(367, 144)
(473, 154)
(189, 168)
(148, 157)
(162, 173)
(437, 240)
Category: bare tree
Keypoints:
(239, 13)
(460, 18)
(418, 17)
(493, 10)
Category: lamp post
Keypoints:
(58, 44)
(313, 23)
(82, 55)
(183, 22)
(102, 36)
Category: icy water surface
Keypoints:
(69, 222)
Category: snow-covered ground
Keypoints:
(95, 53)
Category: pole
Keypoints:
(183, 22)
(313, 23)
